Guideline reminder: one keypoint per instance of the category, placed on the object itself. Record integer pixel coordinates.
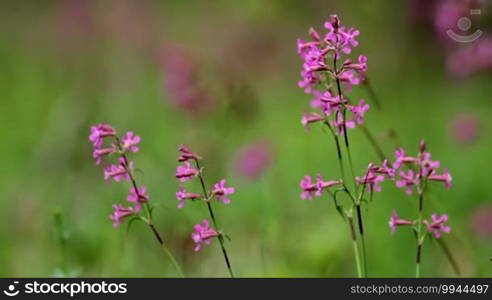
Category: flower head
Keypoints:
(186, 172)
(203, 234)
(99, 132)
(118, 172)
(130, 142)
(186, 154)
(121, 212)
(309, 118)
(407, 180)
(444, 177)
(372, 181)
(308, 187)
(221, 191)
(138, 197)
(100, 152)
(340, 125)
(395, 221)
(321, 184)
(401, 158)
(437, 226)
(182, 195)
(359, 111)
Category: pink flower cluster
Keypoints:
(436, 226)
(203, 234)
(375, 175)
(220, 191)
(426, 170)
(121, 171)
(320, 69)
(421, 169)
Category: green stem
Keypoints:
(362, 237)
(355, 247)
(214, 221)
(166, 250)
(149, 214)
(419, 233)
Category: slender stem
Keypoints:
(339, 151)
(149, 214)
(362, 237)
(419, 252)
(419, 233)
(166, 249)
(214, 221)
(355, 246)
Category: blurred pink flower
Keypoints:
(221, 191)
(475, 57)
(437, 225)
(203, 234)
(186, 172)
(181, 81)
(253, 160)
(466, 129)
(482, 221)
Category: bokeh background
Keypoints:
(221, 77)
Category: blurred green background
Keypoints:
(66, 65)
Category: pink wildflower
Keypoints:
(372, 180)
(444, 177)
(221, 191)
(99, 132)
(118, 172)
(182, 195)
(310, 118)
(130, 142)
(203, 234)
(437, 225)
(186, 154)
(309, 188)
(407, 181)
(322, 185)
(99, 153)
(120, 212)
(138, 197)
(359, 111)
(186, 172)
(394, 222)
